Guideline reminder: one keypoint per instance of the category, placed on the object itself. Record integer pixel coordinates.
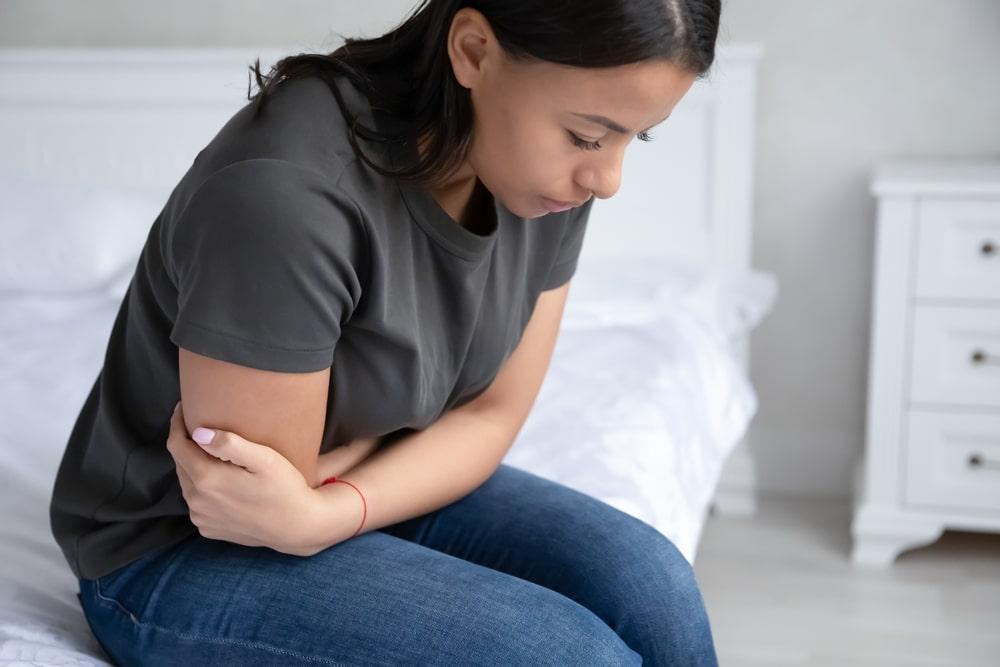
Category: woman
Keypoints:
(408, 211)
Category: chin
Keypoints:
(531, 215)
(529, 212)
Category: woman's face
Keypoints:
(536, 134)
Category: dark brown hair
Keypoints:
(407, 73)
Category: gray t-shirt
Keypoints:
(280, 249)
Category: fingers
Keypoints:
(231, 448)
(177, 433)
(177, 428)
(186, 453)
(187, 486)
(197, 463)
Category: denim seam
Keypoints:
(216, 640)
(246, 644)
(114, 602)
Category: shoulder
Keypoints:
(301, 122)
(268, 259)
(272, 210)
(272, 192)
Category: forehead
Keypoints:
(637, 95)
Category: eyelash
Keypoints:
(596, 145)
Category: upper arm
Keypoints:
(285, 411)
(267, 261)
(509, 398)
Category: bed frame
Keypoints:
(134, 118)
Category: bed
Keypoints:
(646, 403)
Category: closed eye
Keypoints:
(596, 145)
(582, 143)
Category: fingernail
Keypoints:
(202, 436)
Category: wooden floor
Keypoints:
(780, 590)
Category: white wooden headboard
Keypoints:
(135, 118)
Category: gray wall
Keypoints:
(842, 85)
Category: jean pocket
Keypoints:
(128, 589)
(109, 601)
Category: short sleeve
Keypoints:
(570, 246)
(267, 257)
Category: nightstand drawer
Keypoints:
(956, 355)
(958, 249)
(953, 460)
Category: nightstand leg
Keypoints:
(880, 535)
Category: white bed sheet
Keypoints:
(646, 397)
(639, 412)
(44, 379)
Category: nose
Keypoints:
(603, 178)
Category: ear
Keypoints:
(471, 44)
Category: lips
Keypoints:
(556, 206)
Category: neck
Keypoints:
(462, 195)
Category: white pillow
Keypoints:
(70, 238)
(638, 291)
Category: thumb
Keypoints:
(228, 446)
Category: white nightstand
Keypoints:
(932, 452)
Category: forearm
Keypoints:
(417, 474)
(339, 460)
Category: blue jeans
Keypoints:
(521, 571)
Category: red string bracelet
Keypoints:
(330, 480)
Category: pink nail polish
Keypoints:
(202, 435)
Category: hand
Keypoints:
(241, 491)
(339, 460)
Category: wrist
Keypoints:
(296, 534)
(333, 515)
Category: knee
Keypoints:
(660, 610)
(661, 560)
(633, 549)
(570, 634)
(624, 561)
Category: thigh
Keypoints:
(372, 600)
(621, 568)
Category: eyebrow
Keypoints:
(610, 124)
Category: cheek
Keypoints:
(517, 181)
(526, 164)
(518, 158)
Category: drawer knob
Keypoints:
(988, 248)
(981, 357)
(977, 461)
